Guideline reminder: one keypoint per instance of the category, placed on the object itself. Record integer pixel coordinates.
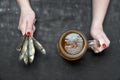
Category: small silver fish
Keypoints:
(25, 58)
(26, 54)
(31, 50)
(31, 58)
(20, 45)
(39, 46)
(24, 49)
(27, 49)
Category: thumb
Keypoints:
(29, 28)
(102, 45)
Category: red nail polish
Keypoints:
(104, 45)
(28, 33)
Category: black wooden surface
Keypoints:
(53, 18)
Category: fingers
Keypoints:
(98, 34)
(22, 27)
(103, 45)
(33, 30)
(26, 22)
(27, 27)
(30, 28)
(28, 34)
(106, 40)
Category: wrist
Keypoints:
(24, 5)
(26, 9)
(96, 25)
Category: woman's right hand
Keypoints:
(98, 34)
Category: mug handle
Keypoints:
(92, 43)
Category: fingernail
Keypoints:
(104, 45)
(28, 34)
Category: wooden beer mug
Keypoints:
(73, 44)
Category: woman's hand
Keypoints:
(98, 34)
(27, 21)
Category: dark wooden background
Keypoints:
(53, 18)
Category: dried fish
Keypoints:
(39, 46)
(31, 50)
(24, 49)
(25, 58)
(27, 49)
(19, 47)
(31, 58)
